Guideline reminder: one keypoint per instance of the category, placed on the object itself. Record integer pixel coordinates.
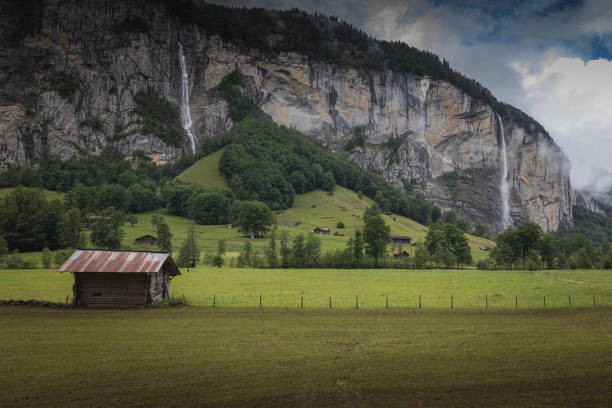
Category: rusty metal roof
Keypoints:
(89, 260)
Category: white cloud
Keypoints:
(573, 100)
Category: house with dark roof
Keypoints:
(400, 254)
(146, 240)
(321, 230)
(120, 278)
(400, 240)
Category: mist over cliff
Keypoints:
(80, 77)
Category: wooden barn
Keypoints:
(146, 240)
(400, 240)
(120, 278)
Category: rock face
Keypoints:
(418, 134)
(69, 88)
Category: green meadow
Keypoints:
(233, 287)
(205, 172)
(230, 357)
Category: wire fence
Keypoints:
(414, 301)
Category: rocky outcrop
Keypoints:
(419, 134)
(74, 92)
(422, 135)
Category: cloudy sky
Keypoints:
(550, 58)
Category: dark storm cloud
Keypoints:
(550, 58)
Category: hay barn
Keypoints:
(400, 240)
(120, 278)
(146, 240)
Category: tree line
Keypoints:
(527, 247)
(445, 246)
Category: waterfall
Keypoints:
(185, 108)
(504, 188)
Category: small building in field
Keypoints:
(338, 234)
(322, 231)
(120, 278)
(146, 240)
(400, 254)
(400, 240)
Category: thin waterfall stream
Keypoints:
(504, 187)
(185, 108)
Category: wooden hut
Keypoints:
(400, 240)
(120, 278)
(146, 240)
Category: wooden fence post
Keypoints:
(330, 302)
(356, 302)
(544, 300)
(452, 302)
(387, 302)
(260, 301)
(302, 301)
(594, 300)
(67, 296)
(486, 300)
(516, 301)
(569, 300)
(214, 299)
(419, 301)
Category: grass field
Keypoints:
(285, 287)
(236, 354)
(230, 357)
(205, 172)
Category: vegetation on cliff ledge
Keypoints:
(160, 118)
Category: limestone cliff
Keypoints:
(70, 87)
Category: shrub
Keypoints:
(482, 264)
(15, 261)
(340, 224)
(62, 256)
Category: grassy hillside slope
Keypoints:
(205, 172)
(48, 194)
(309, 211)
(344, 205)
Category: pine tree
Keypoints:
(271, 256)
(285, 250)
(189, 253)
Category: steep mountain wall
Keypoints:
(71, 87)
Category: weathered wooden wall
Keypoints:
(110, 289)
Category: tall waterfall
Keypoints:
(504, 188)
(185, 108)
